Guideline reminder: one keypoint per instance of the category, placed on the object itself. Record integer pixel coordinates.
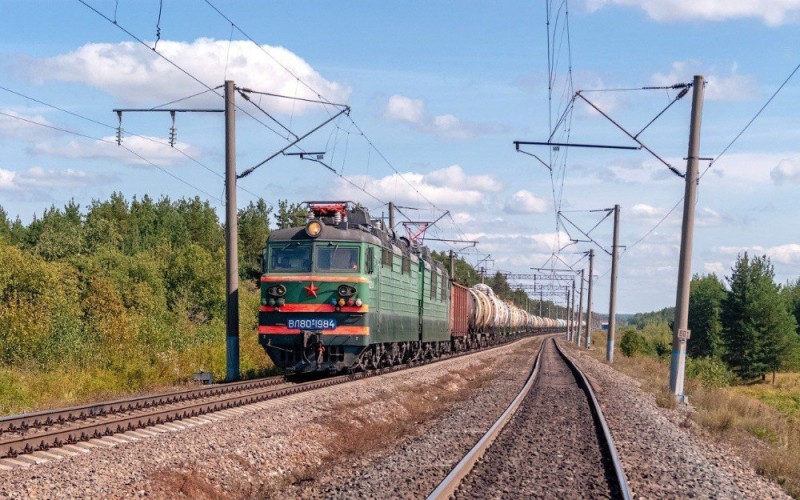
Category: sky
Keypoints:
(438, 92)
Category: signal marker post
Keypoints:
(681, 332)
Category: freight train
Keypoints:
(344, 292)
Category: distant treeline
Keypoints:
(750, 325)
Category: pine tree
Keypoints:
(757, 327)
(705, 306)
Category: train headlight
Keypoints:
(276, 291)
(346, 291)
(359, 302)
(271, 301)
(280, 302)
(341, 302)
(313, 228)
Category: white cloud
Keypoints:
(644, 210)
(771, 12)
(717, 268)
(449, 186)
(719, 87)
(542, 243)
(525, 202)
(406, 109)
(463, 217)
(749, 169)
(158, 152)
(132, 73)
(786, 172)
(784, 254)
(40, 179)
(20, 129)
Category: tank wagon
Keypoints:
(343, 292)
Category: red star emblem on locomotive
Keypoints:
(311, 290)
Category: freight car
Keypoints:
(344, 292)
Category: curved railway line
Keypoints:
(40, 431)
(552, 440)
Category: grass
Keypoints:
(760, 421)
(31, 389)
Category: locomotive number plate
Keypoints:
(312, 323)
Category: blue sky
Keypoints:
(442, 89)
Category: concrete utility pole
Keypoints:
(541, 300)
(580, 313)
(612, 303)
(680, 333)
(391, 215)
(452, 265)
(566, 318)
(231, 239)
(589, 301)
(574, 334)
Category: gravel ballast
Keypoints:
(661, 458)
(302, 445)
(550, 448)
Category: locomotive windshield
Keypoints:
(336, 258)
(291, 258)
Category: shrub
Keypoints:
(632, 343)
(711, 372)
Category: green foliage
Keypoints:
(705, 307)
(758, 330)
(5, 226)
(640, 320)
(632, 343)
(253, 233)
(710, 371)
(127, 295)
(290, 214)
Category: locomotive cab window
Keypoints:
(337, 258)
(290, 258)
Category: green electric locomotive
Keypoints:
(343, 292)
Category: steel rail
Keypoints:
(25, 421)
(447, 488)
(597, 412)
(50, 438)
(449, 484)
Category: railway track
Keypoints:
(552, 441)
(41, 431)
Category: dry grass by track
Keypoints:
(760, 421)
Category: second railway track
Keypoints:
(551, 442)
(40, 431)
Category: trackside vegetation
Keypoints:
(122, 296)
(743, 369)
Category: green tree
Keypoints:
(59, 233)
(791, 293)
(758, 330)
(253, 233)
(705, 306)
(290, 214)
(5, 225)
